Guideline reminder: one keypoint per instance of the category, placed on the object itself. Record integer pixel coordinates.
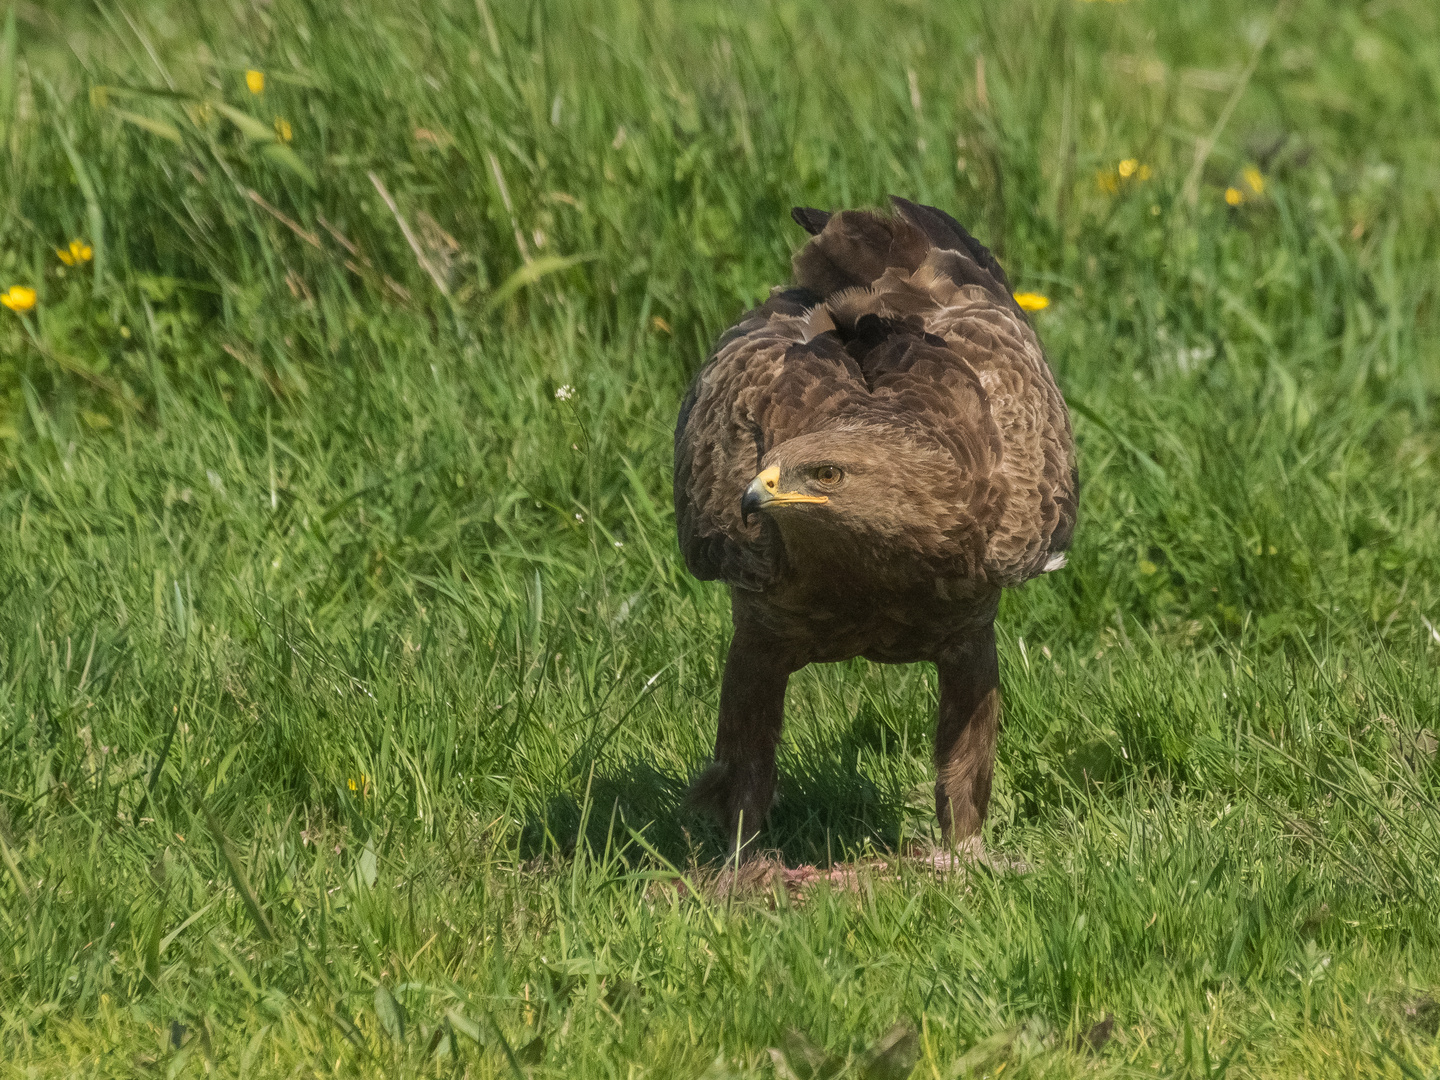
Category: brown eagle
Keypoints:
(867, 459)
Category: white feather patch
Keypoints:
(1055, 562)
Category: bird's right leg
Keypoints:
(740, 785)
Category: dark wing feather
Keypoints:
(776, 374)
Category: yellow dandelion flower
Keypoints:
(18, 298)
(255, 81)
(282, 129)
(1032, 301)
(1255, 179)
(1144, 173)
(1127, 168)
(351, 783)
(1234, 196)
(78, 252)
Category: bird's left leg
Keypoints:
(965, 737)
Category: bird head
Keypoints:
(766, 493)
(863, 483)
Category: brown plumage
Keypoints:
(867, 459)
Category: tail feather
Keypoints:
(853, 248)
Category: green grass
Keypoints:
(350, 681)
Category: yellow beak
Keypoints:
(764, 492)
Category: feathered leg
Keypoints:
(740, 785)
(965, 737)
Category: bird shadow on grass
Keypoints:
(827, 812)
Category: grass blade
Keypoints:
(162, 128)
(241, 879)
(532, 272)
(12, 864)
(282, 155)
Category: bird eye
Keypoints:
(828, 474)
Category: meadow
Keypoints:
(350, 678)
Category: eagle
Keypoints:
(867, 459)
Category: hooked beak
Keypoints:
(764, 492)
